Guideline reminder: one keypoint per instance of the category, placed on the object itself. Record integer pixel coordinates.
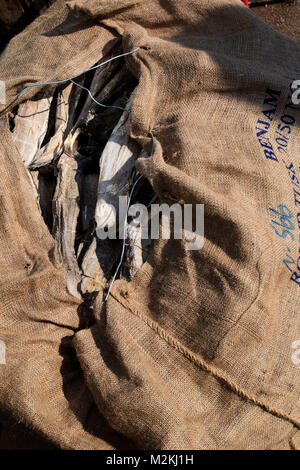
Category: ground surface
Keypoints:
(285, 17)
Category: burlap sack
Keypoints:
(197, 351)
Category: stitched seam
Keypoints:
(195, 359)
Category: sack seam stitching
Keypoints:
(195, 359)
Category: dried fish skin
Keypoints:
(117, 164)
(54, 147)
(66, 211)
(31, 125)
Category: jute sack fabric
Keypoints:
(197, 351)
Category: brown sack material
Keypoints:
(197, 351)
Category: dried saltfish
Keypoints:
(117, 84)
(88, 200)
(95, 122)
(34, 182)
(134, 250)
(54, 147)
(137, 251)
(114, 85)
(101, 80)
(66, 212)
(46, 189)
(116, 167)
(74, 99)
(138, 239)
(92, 277)
(31, 125)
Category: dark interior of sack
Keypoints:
(81, 159)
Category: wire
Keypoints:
(58, 82)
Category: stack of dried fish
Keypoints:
(81, 159)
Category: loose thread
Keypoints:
(125, 226)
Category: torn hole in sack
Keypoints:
(81, 160)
